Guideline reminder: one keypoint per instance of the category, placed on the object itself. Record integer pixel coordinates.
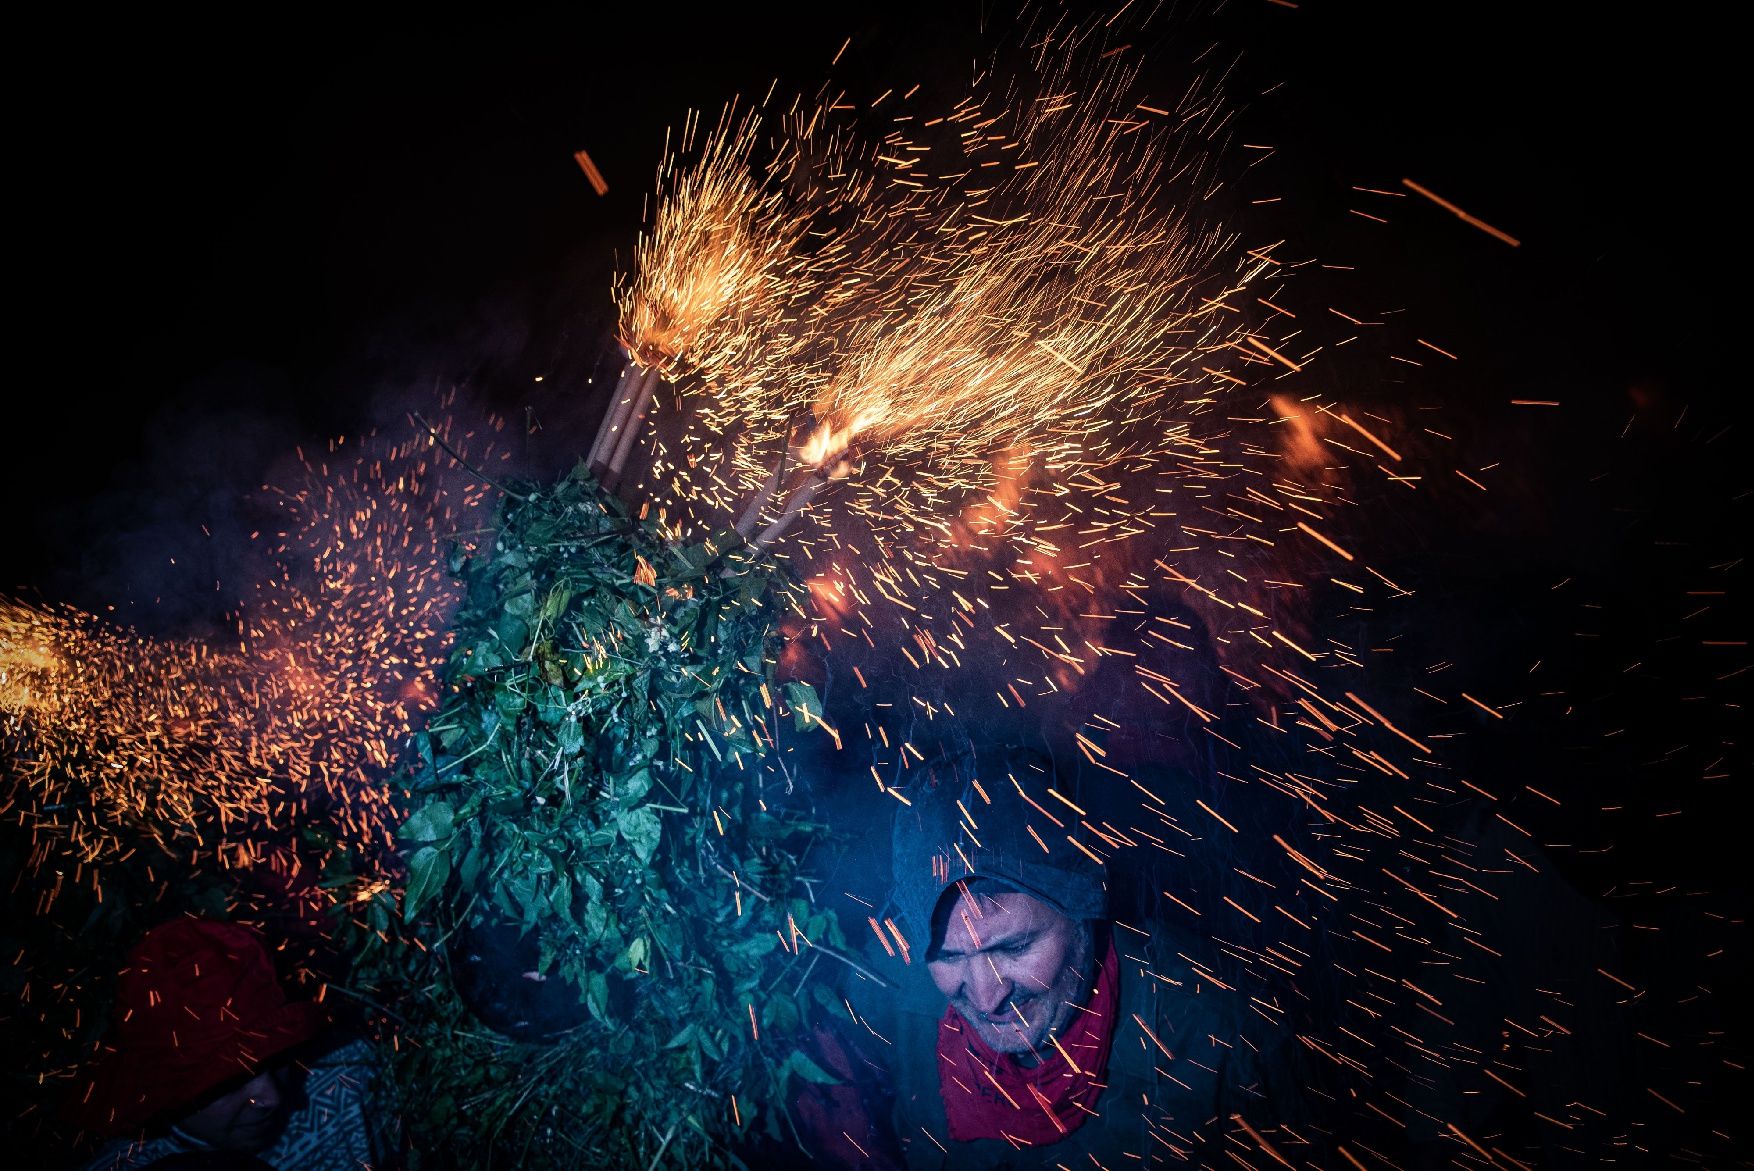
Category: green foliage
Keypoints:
(601, 780)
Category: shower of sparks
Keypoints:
(1065, 312)
(1002, 336)
(719, 274)
(1052, 414)
(1051, 408)
(1020, 272)
(114, 734)
(251, 764)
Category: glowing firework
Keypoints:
(721, 260)
(1051, 311)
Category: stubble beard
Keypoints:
(1058, 1004)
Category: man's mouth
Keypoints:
(1015, 1014)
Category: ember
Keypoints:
(1052, 611)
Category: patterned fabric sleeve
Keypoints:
(333, 1131)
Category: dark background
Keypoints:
(238, 239)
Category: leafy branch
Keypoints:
(599, 793)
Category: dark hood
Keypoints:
(936, 843)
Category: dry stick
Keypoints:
(603, 426)
(795, 504)
(612, 417)
(741, 884)
(751, 515)
(832, 954)
(630, 428)
(663, 1146)
(458, 456)
(612, 413)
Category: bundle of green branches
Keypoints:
(602, 796)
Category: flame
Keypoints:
(1301, 438)
(940, 297)
(829, 442)
(994, 513)
(829, 591)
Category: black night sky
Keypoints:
(240, 236)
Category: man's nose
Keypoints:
(987, 990)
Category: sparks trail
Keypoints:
(1027, 406)
(150, 775)
(1012, 274)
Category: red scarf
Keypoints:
(990, 1095)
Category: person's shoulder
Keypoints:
(1172, 957)
(350, 1060)
(1181, 994)
(332, 1131)
(348, 1052)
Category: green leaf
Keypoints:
(427, 872)
(596, 920)
(597, 995)
(469, 869)
(555, 605)
(511, 701)
(799, 1063)
(484, 656)
(756, 945)
(781, 1014)
(560, 897)
(423, 749)
(806, 704)
(642, 829)
(429, 823)
(513, 632)
(635, 786)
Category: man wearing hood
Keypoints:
(1031, 1026)
(209, 1063)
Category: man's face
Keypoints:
(1011, 965)
(248, 1118)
